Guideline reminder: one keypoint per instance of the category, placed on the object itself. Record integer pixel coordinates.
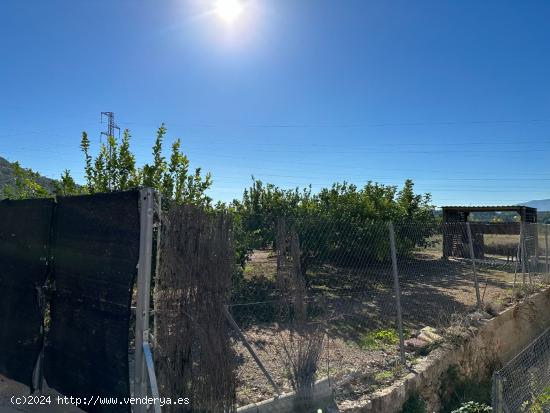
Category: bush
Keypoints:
(338, 221)
(414, 404)
(473, 407)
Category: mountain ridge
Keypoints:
(542, 205)
(7, 177)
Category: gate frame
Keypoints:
(144, 369)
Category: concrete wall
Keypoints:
(284, 403)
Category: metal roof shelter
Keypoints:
(460, 213)
(455, 239)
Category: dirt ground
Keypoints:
(10, 388)
(355, 303)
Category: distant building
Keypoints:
(455, 238)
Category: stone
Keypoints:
(429, 335)
(415, 344)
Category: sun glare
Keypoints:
(229, 10)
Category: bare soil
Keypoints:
(356, 302)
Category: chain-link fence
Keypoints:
(523, 384)
(351, 306)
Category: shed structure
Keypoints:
(455, 241)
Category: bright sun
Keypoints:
(229, 10)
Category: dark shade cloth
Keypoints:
(24, 235)
(96, 249)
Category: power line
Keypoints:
(275, 125)
(47, 131)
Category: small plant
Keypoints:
(522, 290)
(473, 407)
(379, 339)
(539, 404)
(414, 404)
(383, 376)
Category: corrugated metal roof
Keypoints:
(494, 208)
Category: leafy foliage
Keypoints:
(30, 184)
(539, 404)
(473, 407)
(114, 169)
(340, 219)
(67, 185)
(414, 404)
(25, 184)
(379, 339)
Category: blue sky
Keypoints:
(453, 94)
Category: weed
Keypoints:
(539, 404)
(379, 339)
(457, 330)
(383, 376)
(473, 407)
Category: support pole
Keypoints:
(546, 248)
(152, 377)
(146, 203)
(397, 293)
(535, 233)
(157, 264)
(473, 258)
(498, 396)
(237, 330)
(522, 250)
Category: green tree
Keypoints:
(67, 185)
(114, 169)
(25, 184)
(338, 221)
(127, 174)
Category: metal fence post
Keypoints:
(498, 397)
(535, 232)
(522, 254)
(397, 293)
(473, 258)
(157, 265)
(143, 294)
(546, 247)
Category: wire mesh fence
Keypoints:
(333, 283)
(523, 384)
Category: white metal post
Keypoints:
(147, 212)
(157, 265)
